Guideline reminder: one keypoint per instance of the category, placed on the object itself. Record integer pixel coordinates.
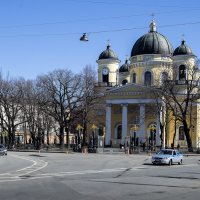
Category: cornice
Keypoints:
(125, 93)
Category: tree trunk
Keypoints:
(13, 137)
(67, 138)
(187, 135)
(33, 139)
(47, 137)
(84, 134)
(174, 133)
(10, 145)
(62, 137)
(161, 133)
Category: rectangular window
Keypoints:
(134, 78)
(181, 133)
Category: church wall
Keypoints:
(188, 61)
(112, 67)
(170, 124)
(194, 130)
(156, 65)
(157, 72)
(198, 126)
(124, 76)
(133, 116)
(116, 119)
(139, 72)
(150, 118)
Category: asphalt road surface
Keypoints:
(50, 176)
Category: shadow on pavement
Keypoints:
(147, 164)
(36, 155)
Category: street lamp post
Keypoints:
(134, 128)
(152, 136)
(4, 135)
(93, 135)
(79, 128)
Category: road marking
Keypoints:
(4, 174)
(49, 175)
(36, 166)
(85, 172)
(25, 173)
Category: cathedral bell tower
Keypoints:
(184, 62)
(108, 64)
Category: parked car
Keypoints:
(3, 150)
(167, 156)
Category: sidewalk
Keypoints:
(105, 152)
(56, 150)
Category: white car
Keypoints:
(167, 156)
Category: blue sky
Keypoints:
(38, 36)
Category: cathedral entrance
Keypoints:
(116, 142)
(119, 132)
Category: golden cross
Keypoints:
(152, 15)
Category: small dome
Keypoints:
(183, 49)
(152, 43)
(124, 67)
(108, 53)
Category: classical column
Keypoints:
(124, 121)
(142, 121)
(158, 131)
(108, 124)
(163, 120)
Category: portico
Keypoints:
(129, 112)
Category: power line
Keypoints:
(97, 19)
(129, 29)
(101, 31)
(124, 4)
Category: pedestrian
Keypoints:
(47, 146)
(178, 146)
(144, 146)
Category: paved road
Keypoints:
(33, 176)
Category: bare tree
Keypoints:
(11, 106)
(60, 95)
(32, 111)
(88, 98)
(180, 97)
(38, 121)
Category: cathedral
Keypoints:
(127, 111)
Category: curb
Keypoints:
(41, 151)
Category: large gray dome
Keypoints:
(108, 53)
(183, 49)
(152, 43)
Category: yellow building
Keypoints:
(128, 107)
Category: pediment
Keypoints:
(129, 89)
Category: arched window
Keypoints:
(119, 132)
(105, 78)
(124, 82)
(164, 77)
(134, 78)
(181, 135)
(182, 72)
(100, 131)
(147, 78)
